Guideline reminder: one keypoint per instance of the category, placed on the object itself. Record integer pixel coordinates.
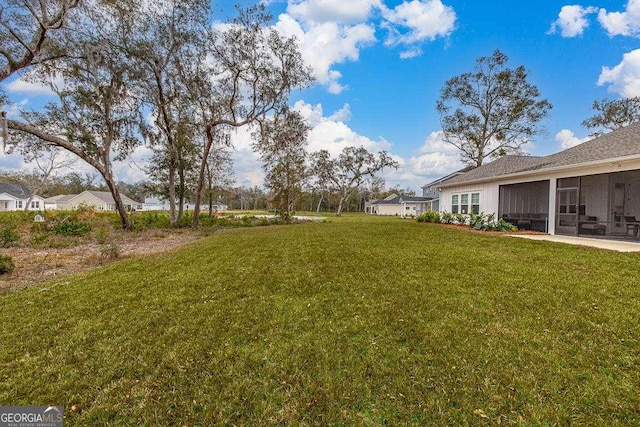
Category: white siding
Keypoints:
(489, 196)
(389, 210)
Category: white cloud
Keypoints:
(572, 20)
(418, 20)
(566, 139)
(324, 44)
(410, 53)
(625, 23)
(342, 115)
(351, 11)
(246, 163)
(436, 158)
(624, 78)
(13, 112)
(25, 87)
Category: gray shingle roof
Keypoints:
(448, 177)
(400, 199)
(16, 190)
(107, 197)
(620, 143)
(60, 198)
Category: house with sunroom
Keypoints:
(592, 189)
(15, 197)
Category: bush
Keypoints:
(429, 216)
(9, 235)
(446, 218)
(6, 264)
(502, 226)
(72, 227)
(460, 219)
(110, 251)
(481, 221)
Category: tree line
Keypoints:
(165, 75)
(156, 73)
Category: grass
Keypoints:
(357, 321)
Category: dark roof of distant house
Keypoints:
(400, 199)
(16, 190)
(621, 143)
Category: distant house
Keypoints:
(99, 200)
(14, 197)
(157, 204)
(51, 203)
(398, 205)
(590, 189)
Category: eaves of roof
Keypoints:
(619, 146)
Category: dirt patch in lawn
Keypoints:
(38, 265)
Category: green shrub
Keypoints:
(72, 227)
(504, 226)
(110, 251)
(429, 216)
(481, 221)
(6, 264)
(9, 235)
(39, 239)
(446, 218)
(460, 219)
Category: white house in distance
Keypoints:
(157, 204)
(398, 205)
(14, 197)
(99, 200)
(590, 189)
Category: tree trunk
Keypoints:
(210, 190)
(181, 194)
(172, 193)
(203, 165)
(124, 219)
(320, 202)
(342, 199)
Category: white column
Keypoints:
(553, 190)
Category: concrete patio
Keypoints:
(612, 245)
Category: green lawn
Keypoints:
(357, 321)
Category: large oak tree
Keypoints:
(492, 110)
(613, 114)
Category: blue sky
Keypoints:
(380, 65)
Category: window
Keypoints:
(464, 204)
(460, 203)
(475, 203)
(19, 204)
